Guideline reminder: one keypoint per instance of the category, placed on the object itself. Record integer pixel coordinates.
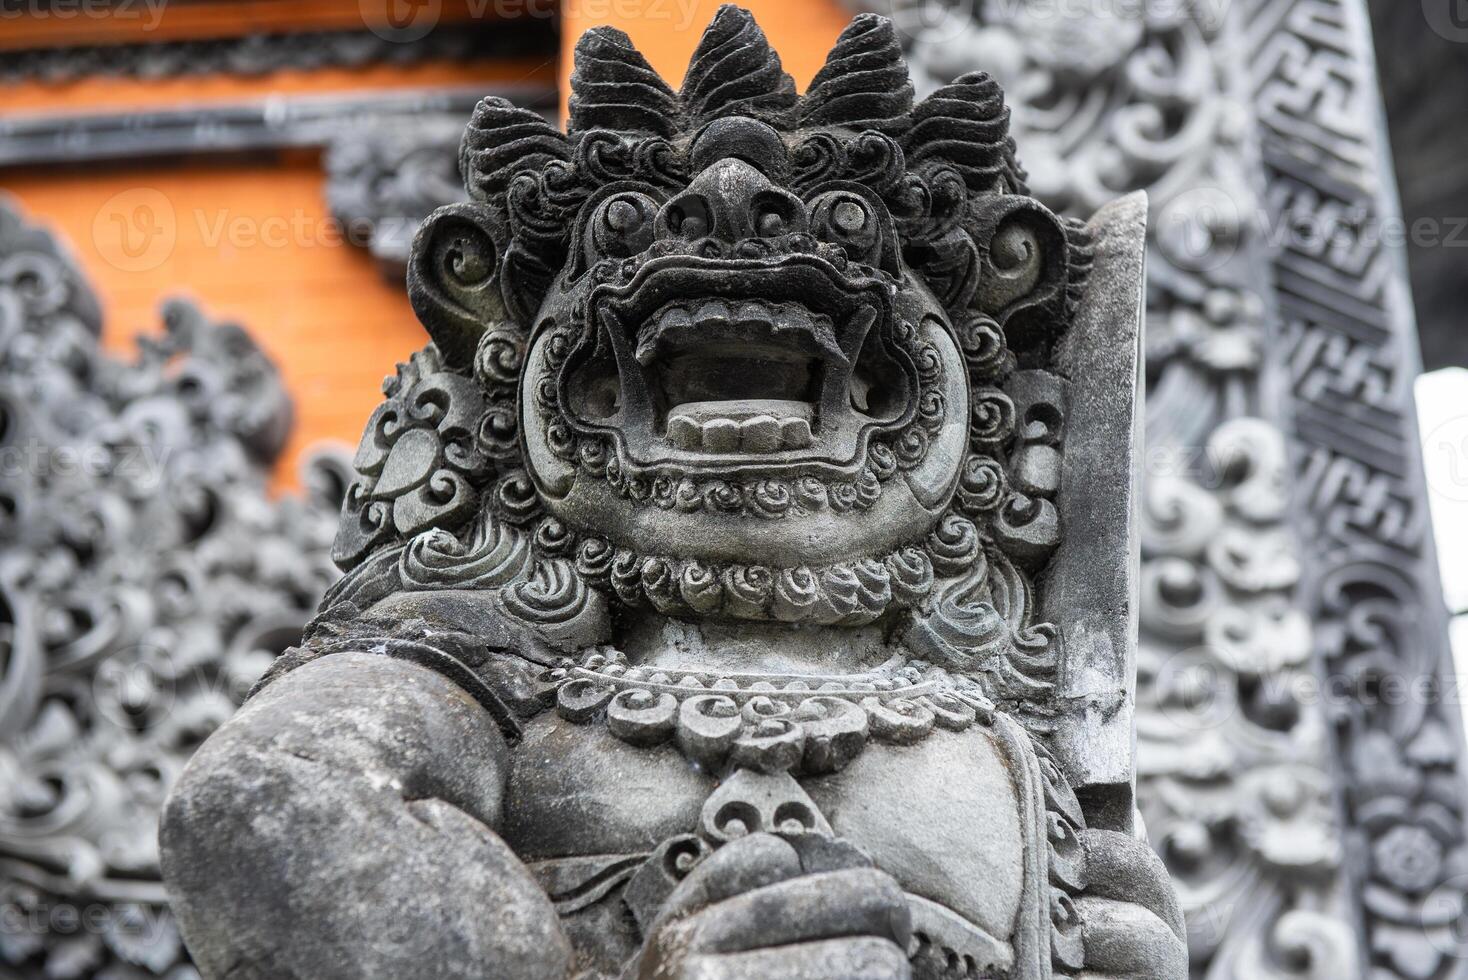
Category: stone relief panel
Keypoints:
(1345, 325)
(382, 183)
(1288, 573)
(146, 580)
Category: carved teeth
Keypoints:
(687, 325)
(684, 433)
(752, 313)
(671, 320)
(793, 318)
(761, 434)
(714, 313)
(795, 433)
(721, 435)
(753, 426)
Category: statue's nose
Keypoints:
(731, 201)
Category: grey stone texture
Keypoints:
(1282, 503)
(742, 583)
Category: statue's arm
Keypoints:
(1133, 924)
(342, 825)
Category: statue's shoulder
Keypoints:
(497, 657)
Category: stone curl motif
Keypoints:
(430, 449)
(1227, 726)
(148, 577)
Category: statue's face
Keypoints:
(733, 373)
(734, 353)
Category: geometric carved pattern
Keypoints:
(1295, 799)
(1346, 323)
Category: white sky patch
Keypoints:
(1442, 413)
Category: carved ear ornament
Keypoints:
(452, 279)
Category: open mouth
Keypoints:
(741, 376)
(721, 363)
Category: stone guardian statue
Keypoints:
(741, 583)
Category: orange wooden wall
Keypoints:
(250, 239)
(318, 307)
(320, 310)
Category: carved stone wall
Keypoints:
(146, 580)
(1297, 751)
(1345, 330)
(388, 182)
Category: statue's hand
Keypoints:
(751, 912)
(1132, 924)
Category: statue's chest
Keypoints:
(949, 813)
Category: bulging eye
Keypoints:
(847, 219)
(621, 226)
